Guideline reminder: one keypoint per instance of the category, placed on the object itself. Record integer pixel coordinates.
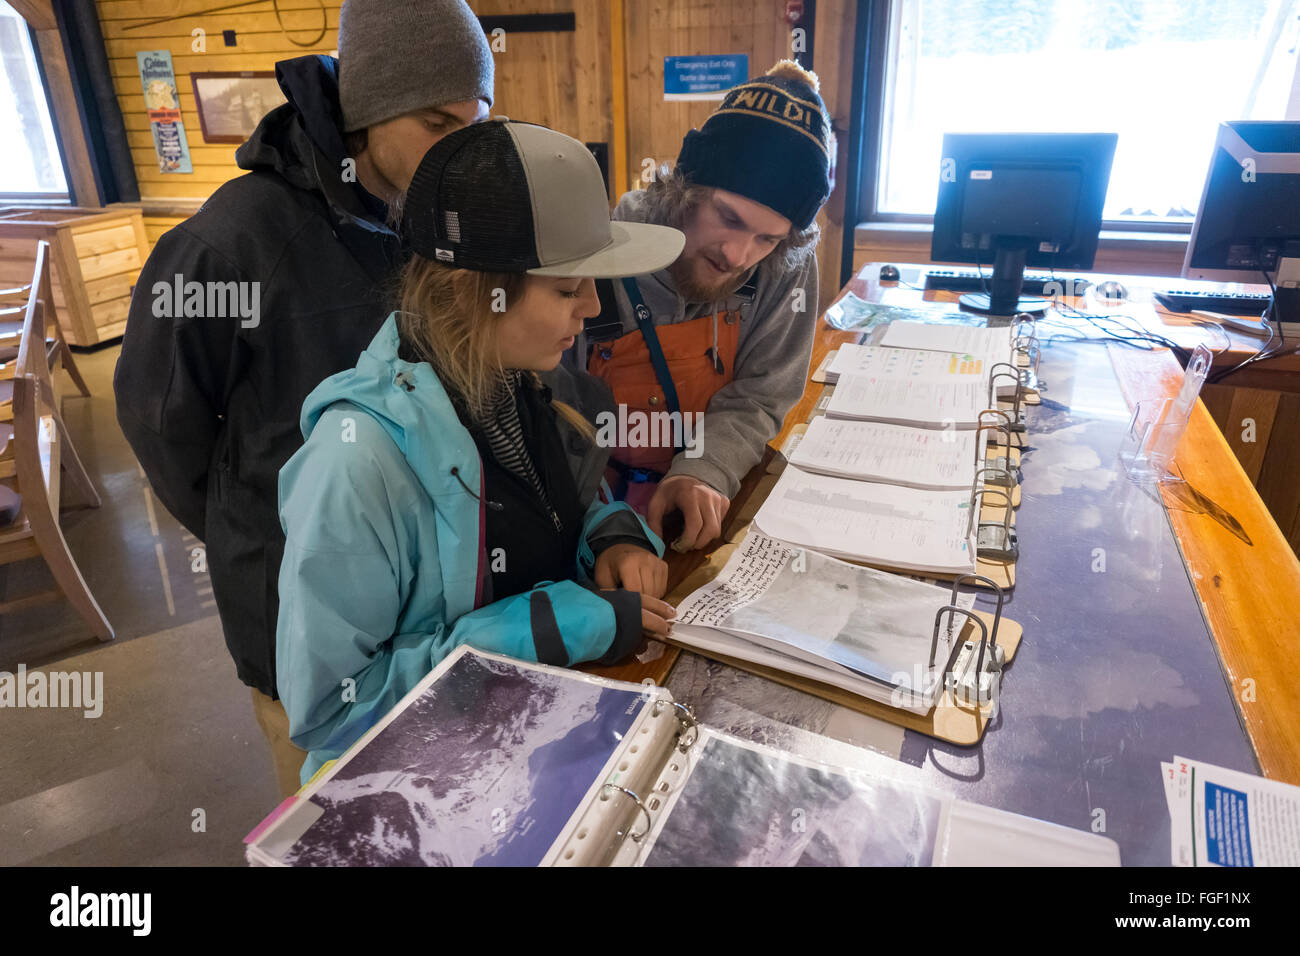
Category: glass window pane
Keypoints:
(1161, 73)
(31, 156)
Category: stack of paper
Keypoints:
(910, 401)
(889, 525)
(940, 459)
(859, 629)
(928, 366)
(994, 344)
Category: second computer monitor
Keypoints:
(1010, 200)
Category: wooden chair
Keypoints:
(13, 306)
(42, 456)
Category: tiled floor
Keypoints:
(177, 733)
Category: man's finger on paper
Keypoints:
(694, 525)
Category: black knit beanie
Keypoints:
(769, 141)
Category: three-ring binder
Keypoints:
(686, 718)
(625, 834)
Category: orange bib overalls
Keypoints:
(699, 368)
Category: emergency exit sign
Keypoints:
(703, 77)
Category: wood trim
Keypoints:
(618, 95)
(67, 118)
(39, 14)
(833, 59)
(1123, 253)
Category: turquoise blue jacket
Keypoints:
(385, 560)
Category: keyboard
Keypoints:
(953, 280)
(1229, 303)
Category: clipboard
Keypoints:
(950, 720)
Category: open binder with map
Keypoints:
(494, 761)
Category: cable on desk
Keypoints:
(1263, 353)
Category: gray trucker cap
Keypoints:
(504, 196)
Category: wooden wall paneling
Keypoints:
(1277, 484)
(651, 136)
(1261, 407)
(1218, 401)
(637, 55)
(592, 53)
(260, 41)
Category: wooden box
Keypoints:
(97, 255)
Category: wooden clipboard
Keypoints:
(949, 720)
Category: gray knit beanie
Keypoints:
(396, 56)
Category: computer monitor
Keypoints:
(1248, 223)
(1015, 199)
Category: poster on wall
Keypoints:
(164, 108)
(703, 77)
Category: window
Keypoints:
(31, 167)
(1161, 73)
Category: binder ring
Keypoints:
(997, 615)
(636, 837)
(1006, 433)
(1004, 415)
(1015, 376)
(685, 717)
(950, 610)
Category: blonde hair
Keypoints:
(445, 317)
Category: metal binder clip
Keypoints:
(994, 461)
(1031, 354)
(958, 676)
(1004, 428)
(636, 837)
(974, 674)
(685, 717)
(997, 477)
(994, 541)
(1016, 422)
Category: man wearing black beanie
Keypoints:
(726, 331)
(209, 400)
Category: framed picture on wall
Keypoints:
(231, 104)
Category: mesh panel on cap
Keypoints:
(479, 185)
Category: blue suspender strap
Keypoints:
(645, 323)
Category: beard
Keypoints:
(685, 272)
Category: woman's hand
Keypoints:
(656, 616)
(631, 568)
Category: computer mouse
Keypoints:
(1111, 291)
(889, 274)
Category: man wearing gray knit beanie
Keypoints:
(210, 403)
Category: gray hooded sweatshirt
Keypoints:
(771, 361)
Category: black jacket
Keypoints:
(210, 405)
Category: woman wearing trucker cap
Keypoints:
(442, 497)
